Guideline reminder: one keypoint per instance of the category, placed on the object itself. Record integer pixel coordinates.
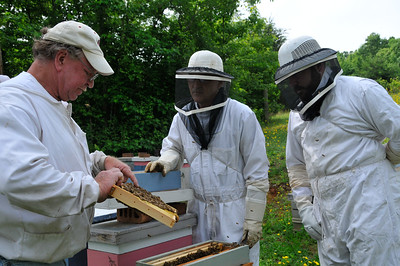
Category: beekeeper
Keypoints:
(225, 146)
(343, 178)
(49, 181)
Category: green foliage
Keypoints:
(392, 86)
(396, 97)
(16, 40)
(145, 43)
(253, 61)
(377, 59)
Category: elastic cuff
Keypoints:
(101, 162)
(393, 157)
(301, 191)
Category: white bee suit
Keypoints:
(47, 191)
(356, 188)
(235, 156)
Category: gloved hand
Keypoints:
(393, 157)
(158, 166)
(255, 207)
(311, 225)
(252, 232)
(167, 162)
(302, 195)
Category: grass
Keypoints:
(282, 242)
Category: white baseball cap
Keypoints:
(81, 36)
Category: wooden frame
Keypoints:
(166, 217)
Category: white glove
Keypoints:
(302, 195)
(97, 158)
(252, 232)
(311, 225)
(391, 155)
(255, 208)
(167, 162)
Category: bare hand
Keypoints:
(112, 162)
(106, 179)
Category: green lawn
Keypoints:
(281, 244)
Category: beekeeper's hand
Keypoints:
(256, 201)
(302, 196)
(391, 155)
(106, 179)
(252, 232)
(310, 223)
(112, 162)
(306, 211)
(167, 162)
(158, 166)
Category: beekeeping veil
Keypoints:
(297, 55)
(205, 68)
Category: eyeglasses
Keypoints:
(91, 77)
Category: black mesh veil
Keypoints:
(182, 91)
(311, 109)
(201, 123)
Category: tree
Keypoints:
(253, 60)
(146, 42)
(376, 59)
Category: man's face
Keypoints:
(78, 76)
(204, 91)
(305, 83)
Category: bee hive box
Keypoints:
(227, 255)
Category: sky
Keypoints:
(342, 25)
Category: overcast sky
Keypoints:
(342, 25)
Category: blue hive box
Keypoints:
(156, 182)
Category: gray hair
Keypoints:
(47, 50)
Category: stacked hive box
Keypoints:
(121, 243)
(296, 220)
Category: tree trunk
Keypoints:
(266, 112)
(1, 63)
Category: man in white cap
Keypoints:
(342, 177)
(225, 147)
(50, 182)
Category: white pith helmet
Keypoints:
(298, 54)
(204, 64)
(206, 58)
(297, 48)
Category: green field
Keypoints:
(281, 244)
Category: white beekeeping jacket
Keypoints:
(355, 109)
(47, 190)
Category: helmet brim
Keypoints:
(302, 63)
(203, 72)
